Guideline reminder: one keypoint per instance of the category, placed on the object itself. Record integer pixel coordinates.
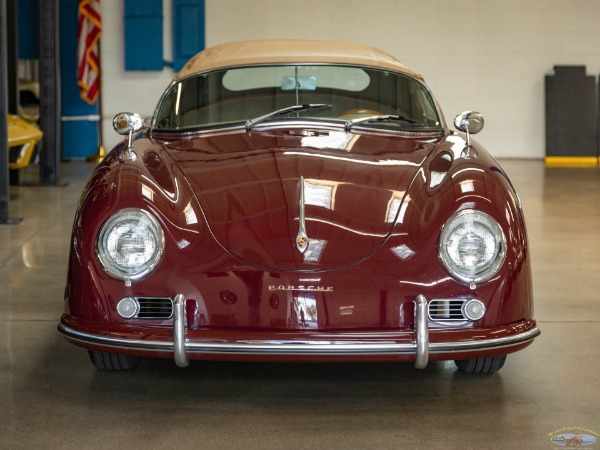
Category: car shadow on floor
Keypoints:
(259, 381)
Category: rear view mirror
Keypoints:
(470, 122)
(126, 123)
(299, 83)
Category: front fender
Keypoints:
(151, 182)
(469, 183)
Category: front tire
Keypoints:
(113, 361)
(481, 365)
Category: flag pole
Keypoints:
(101, 152)
(89, 76)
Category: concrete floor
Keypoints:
(52, 397)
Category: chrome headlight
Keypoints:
(472, 246)
(130, 244)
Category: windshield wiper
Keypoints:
(282, 112)
(381, 118)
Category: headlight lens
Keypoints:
(130, 244)
(472, 246)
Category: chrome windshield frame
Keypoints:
(154, 130)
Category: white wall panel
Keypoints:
(486, 55)
(134, 91)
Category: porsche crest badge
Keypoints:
(301, 243)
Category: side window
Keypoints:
(166, 114)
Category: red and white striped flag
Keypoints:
(88, 52)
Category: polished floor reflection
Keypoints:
(52, 397)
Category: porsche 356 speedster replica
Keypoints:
(299, 201)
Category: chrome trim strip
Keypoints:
(179, 322)
(291, 123)
(422, 332)
(445, 347)
(301, 237)
(294, 347)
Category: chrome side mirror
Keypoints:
(470, 122)
(126, 124)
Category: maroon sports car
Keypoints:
(299, 201)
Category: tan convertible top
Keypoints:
(290, 51)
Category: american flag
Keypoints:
(88, 53)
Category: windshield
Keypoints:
(228, 97)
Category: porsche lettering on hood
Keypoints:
(300, 203)
(281, 287)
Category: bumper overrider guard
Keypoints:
(339, 344)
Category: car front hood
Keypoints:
(252, 188)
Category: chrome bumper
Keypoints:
(179, 321)
(330, 345)
(422, 332)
